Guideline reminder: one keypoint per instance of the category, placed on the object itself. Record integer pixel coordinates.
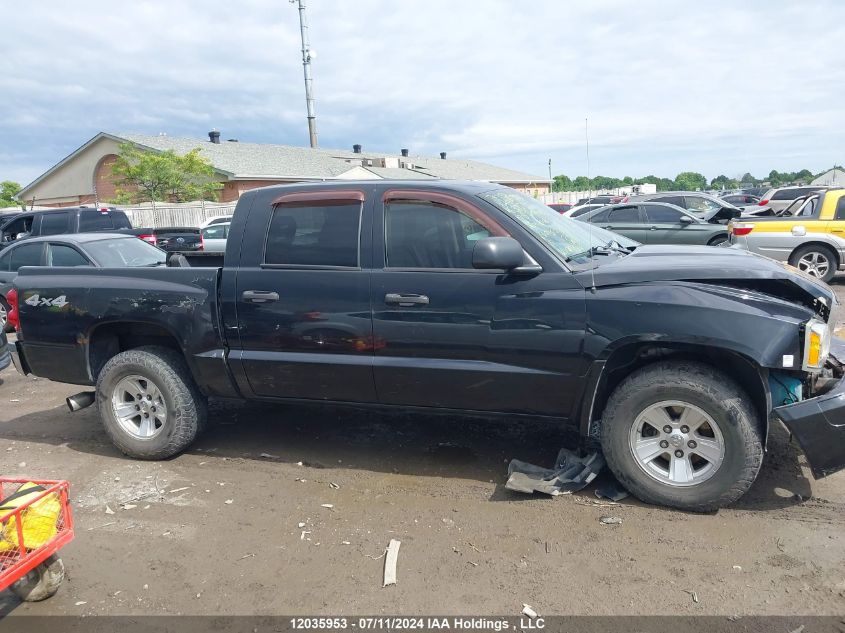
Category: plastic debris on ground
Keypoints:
(611, 490)
(610, 520)
(570, 474)
(390, 560)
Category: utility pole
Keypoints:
(307, 55)
(551, 181)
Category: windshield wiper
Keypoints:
(605, 249)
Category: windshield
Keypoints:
(564, 236)
(125, 251)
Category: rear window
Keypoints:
(314, 235)
(216, 232)
(94, 220)
(678, 201)
(791, 194)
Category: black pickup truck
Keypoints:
(467, 297)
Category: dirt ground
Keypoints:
(239, 525)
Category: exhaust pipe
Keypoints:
(80, 400)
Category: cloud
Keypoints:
(715, 87)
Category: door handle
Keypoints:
(405, 300)
(259, 296)
(654, 228)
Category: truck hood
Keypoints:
(720, 266)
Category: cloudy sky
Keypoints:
(715, 87)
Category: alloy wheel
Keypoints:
(677, 443)
(139, 407)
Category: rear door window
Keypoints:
(54, 223)
(323, 234)
(26, 255)
(840, 209)
(96, 220)
(628, 215)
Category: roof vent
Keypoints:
(356, 148)
(231, 140)
(404, 152)
(443, 155)
(214, 136)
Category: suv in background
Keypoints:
(60, 221)
(697, 203)
(780, 198)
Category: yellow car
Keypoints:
(810, 236)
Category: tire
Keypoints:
(42, 582)
(163, 375)
(718, 240)
(4, 314)
(802, 258)
(709, 481)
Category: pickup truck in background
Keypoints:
(464, 297)
(60, 222)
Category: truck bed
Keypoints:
(70, 311)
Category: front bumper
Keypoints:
(18, 358)
(819, 424)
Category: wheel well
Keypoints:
(112, 338)
(827, 247)
(718, 238)
(628, 359)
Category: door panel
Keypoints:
(303, 306)
(483, 340)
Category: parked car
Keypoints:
(62, 221)
(214, 237)
(217, 219)
(658, 223)
(813, 241)
(603, 199)
(463, 297)
(561, 207)
(742, 199)
(103, 250)
(579, 210)
(801, 206)
(695, 202)
(780, 198)
(172, 238)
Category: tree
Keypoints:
(723, 182)
(627, 181)
(581, 183)
(561, 183)
(143, 176)
(748, 179)
(8, 190)
(690, 181)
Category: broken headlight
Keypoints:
(816, 344)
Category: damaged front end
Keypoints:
(818, 423)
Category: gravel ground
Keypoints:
(239, 525)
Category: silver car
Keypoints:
(780, 198)
(214, 237)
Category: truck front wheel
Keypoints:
(682, 434)
(149, 404)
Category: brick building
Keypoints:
(85, 176)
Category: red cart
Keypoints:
(35, 522)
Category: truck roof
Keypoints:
(468, 187)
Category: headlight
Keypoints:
(816, 345)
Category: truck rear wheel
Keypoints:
(682, 434)
(149, 404)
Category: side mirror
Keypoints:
(497, 252)
(685, 219)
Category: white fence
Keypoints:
(175, 214)
(571, 197)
